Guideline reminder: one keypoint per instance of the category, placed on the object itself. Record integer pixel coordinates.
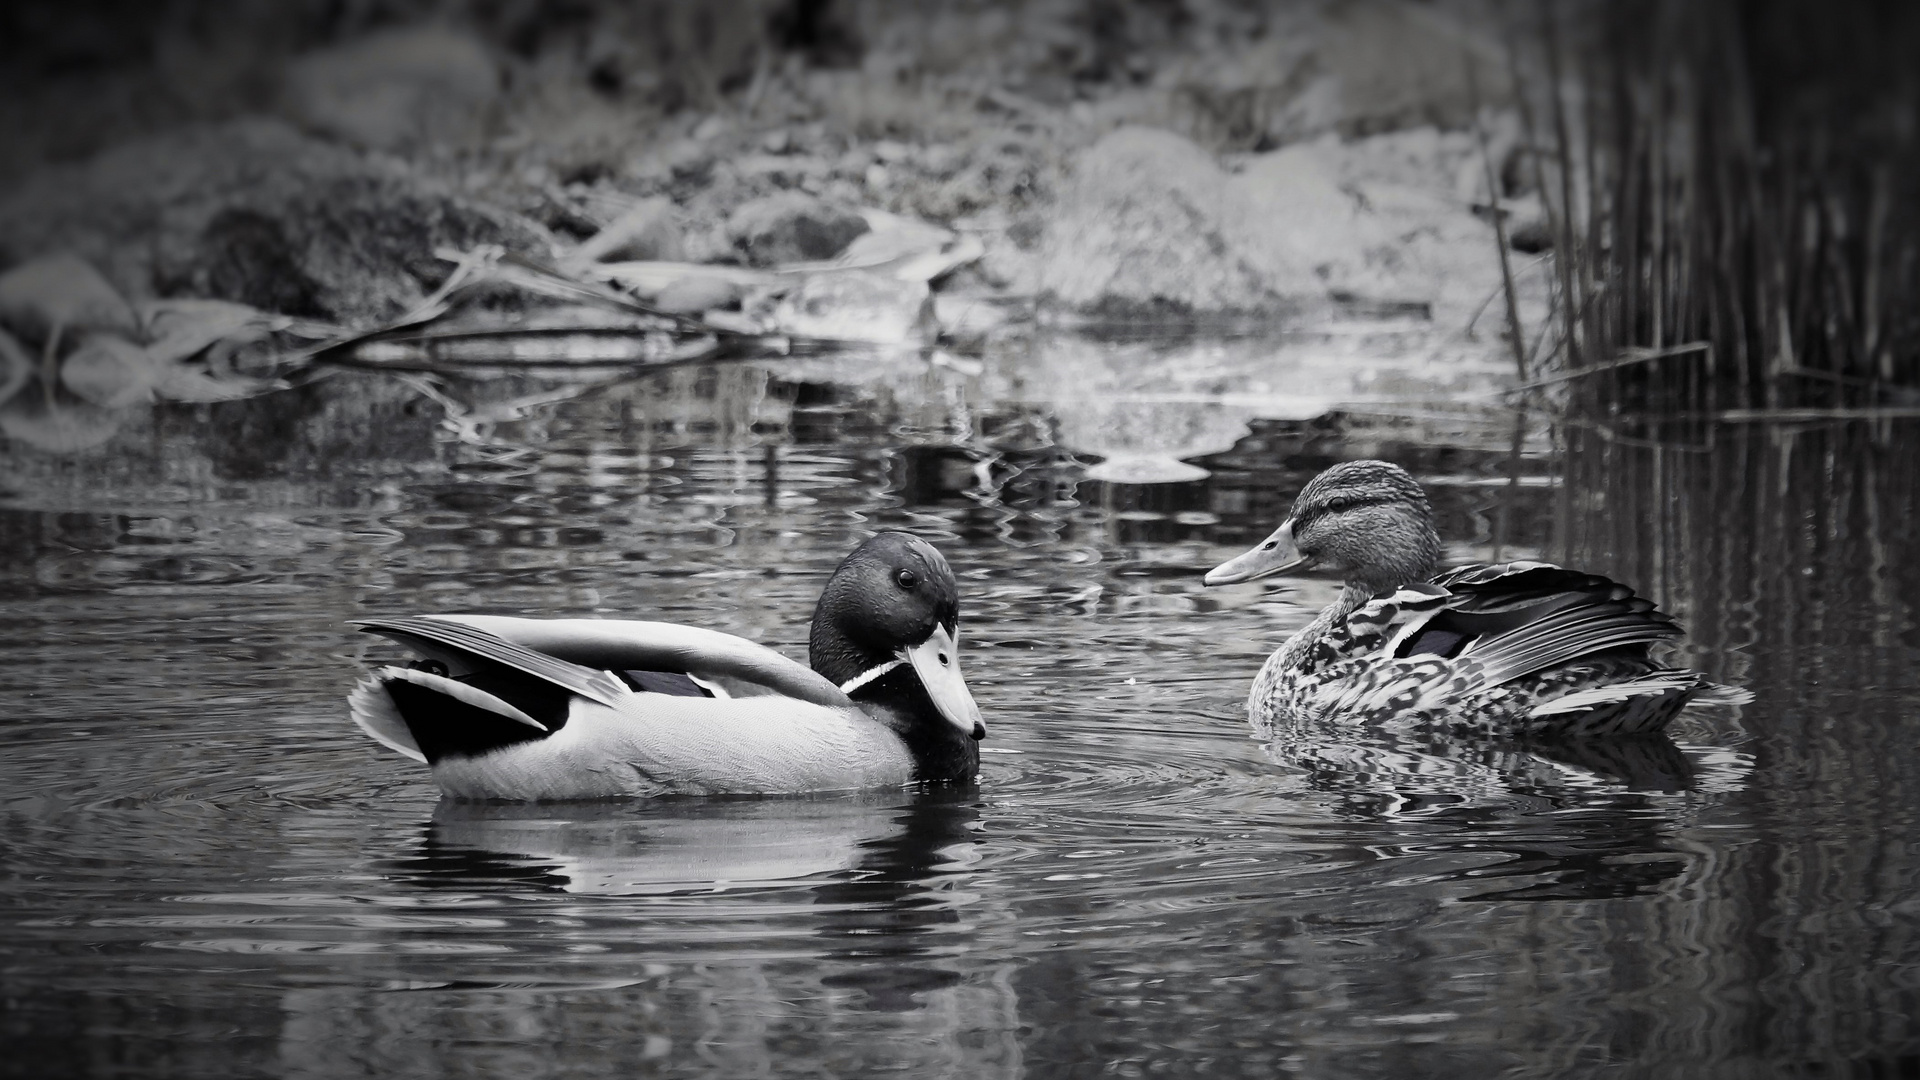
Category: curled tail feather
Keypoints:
(376, 714)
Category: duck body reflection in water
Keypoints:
(527, 709)
(673, 846)
(1522, 649)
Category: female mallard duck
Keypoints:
(507, 708)
(1521, 648)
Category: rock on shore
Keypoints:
(256, 212)
(1149, 222)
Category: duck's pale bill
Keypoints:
(1277, 554)
(937, 662)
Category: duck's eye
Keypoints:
(907, 579)
(1339, 503)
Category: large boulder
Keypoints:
(1149, 224)
(1140, 225)
(256, 212)
(1353, 67)
(1388, 65)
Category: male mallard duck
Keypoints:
(507, 708)
(1522, 648)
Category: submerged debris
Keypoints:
(93, 354)
(100, 354)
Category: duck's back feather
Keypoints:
(742, 666)
(374, 712)
(463, 647)
(1522, 647)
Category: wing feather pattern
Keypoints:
(594, 685)
(623, 644)
(1565, 636)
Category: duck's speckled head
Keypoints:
(894, 601)
(1367, 521)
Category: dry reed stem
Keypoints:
(1515, 337)
(1748, 182)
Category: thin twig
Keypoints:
(1627, 358)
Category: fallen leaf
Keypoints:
(892, 236)
(933, 265)
(110, 371)
(178, 329)
(188, 384)
(693, 295)
(905, 248)
(648, 279)
(62, 291)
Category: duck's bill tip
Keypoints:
(1224, 574)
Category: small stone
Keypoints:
(695, 294)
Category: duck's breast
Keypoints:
(653, 744)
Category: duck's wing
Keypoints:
(1510, 620)
(624, 644)
(464, 645)
(1569, 635)
(491, 694)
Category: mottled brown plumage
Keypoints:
(1521, 648)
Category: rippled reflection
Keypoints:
(210, 872)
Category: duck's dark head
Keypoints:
(1367, 521)
(887, 630)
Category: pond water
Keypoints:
(209, 872)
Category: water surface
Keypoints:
(209, 872)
